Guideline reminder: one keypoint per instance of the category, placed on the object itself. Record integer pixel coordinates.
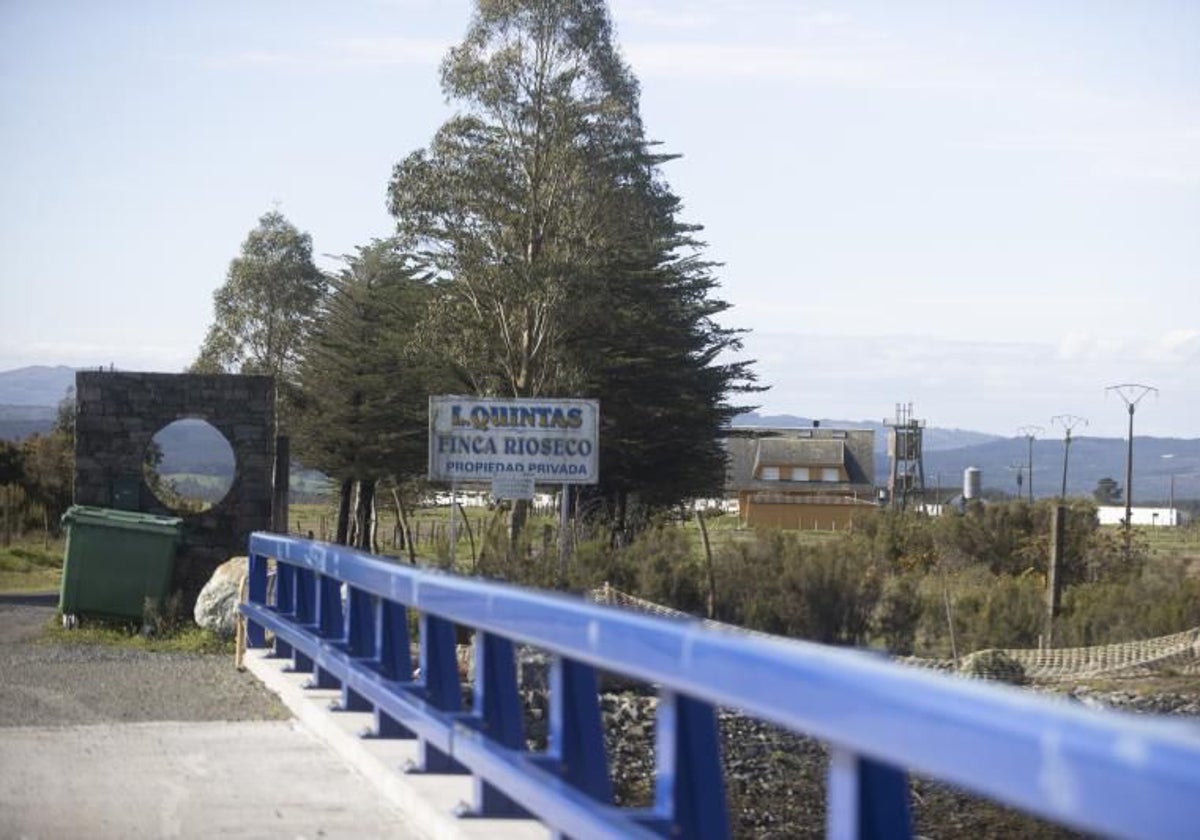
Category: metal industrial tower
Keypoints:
(907, 476)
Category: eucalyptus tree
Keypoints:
(265, 309)
(561, 267)
(508, 201)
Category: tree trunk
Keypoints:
(364, 516)
(517, 518)
(402, 516)
(711, 601)
(619, 526)
(343, 518)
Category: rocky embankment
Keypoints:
(775, 779)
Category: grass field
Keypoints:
(184, 637)
(1180, 543)
(31, 564)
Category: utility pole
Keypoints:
(1019, 469)
(1131, 394)
(1069, 422)
(1029, 433)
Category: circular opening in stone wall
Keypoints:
(189, 466)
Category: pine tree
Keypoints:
(364, 378)
(562, 266)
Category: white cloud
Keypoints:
(345, 53)
(831, 65)
(161, 357)
(643, 14)
(1165, 154)
(1170, 348)
(1175, 346)
(391, 50)
(1079, 346)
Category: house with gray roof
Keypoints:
(801, 478)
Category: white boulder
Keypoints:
(216, 608)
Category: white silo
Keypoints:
(972, 482)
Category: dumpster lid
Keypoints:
(130, 520)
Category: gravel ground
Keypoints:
(55, 685)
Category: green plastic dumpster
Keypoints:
(115, 560)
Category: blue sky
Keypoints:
(989, 209)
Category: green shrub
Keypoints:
(780, 584)
(1163, 600)
(667, 571)
(899, 612)
(988, 610)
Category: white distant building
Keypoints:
(1158, 517)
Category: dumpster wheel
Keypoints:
(70, 621)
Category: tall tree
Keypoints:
(265, 308)
(562, 267)
(503, 202)
(365, 379)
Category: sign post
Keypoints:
(515, 443)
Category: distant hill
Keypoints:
(39, 385)
(18, 422)
(1155, 461)
(29, 399)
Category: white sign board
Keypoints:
(552, 441)
(512, 486)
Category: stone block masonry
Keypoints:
(118, 414)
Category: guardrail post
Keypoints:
(330, 624)
(689, 786)
(306, 611)
(330, 621)
(359, 632)
(439, 672)
(285, 600)
(395, 660)
(865, 799)
(256, 592)
(498, 707)
(576, 742)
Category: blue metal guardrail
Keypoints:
(1095, 771)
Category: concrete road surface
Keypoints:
(163, 779)
(100, 742)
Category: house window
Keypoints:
(800, 474)
(830, 474)
(769, 474)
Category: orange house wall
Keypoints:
(799, 517)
